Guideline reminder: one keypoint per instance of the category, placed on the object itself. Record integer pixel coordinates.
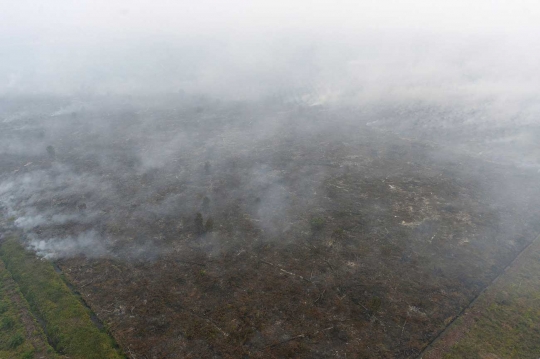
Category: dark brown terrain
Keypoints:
(298, 235)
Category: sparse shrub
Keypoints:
(207, 167)
(386, 251)
(3, 307)
(317, 223)
(331, 192)
(7, 323)
(199, 225)
(209, 226)
(464, 350)
(338, 234)
(340, 334)
(15, 341)
(205, 203)
(51, 151)
(391, 249)
(113, 227)
(375, 304)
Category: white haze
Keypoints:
(474, 61)
(86, 243)
(244, 49)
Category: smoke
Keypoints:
(86, 243)
(352, 68)
(120, 122)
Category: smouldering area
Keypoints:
(200, 227)
(269, 179)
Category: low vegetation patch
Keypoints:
(13, 334)
(67, 322)
(503, 323)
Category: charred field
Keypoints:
(200, 229)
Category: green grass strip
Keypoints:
(509, 330)
(67, 321)
(14, 342)
(509, 322)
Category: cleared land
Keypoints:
(216, 232)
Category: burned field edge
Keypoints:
(65, 321)
(503, 321)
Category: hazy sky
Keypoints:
(65, 19)
(209, 45)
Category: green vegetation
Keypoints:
(67, 321)
(15, 341)
(506, 316)
(12, 328)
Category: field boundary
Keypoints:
(476, 298)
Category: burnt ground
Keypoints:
(217, 232)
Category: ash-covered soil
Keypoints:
(198, 229)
